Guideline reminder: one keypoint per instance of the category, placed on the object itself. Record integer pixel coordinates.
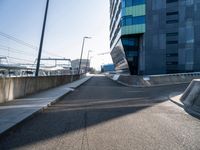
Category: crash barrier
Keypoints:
(17, 87)
(191, 96)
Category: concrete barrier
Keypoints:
(191, 96)
(154, 80)
(132, 80)
(12, 88)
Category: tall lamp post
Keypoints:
(42, 39)
(86, 68)
(79, 68)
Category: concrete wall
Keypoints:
(156, 80)
(12, 88)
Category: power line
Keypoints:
(17, 58)
(25, 43)
(20, 51)
(16, 52)
(6, 48)
(18, 40)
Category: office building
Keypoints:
(108, 68)
(155, 36)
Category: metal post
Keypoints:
(86, 69)
(79, 68)
(41, 40)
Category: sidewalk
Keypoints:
(14, 112)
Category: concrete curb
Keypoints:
(5, 132)
(145, 86)
(124, 84)
(175, 98)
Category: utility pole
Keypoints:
(41, 40)
(86, 68)
(79, 68)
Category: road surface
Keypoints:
(103, 115)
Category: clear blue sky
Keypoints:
(68, 21)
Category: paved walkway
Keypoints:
(14, 112)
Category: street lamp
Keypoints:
(79, 68)
(86, 68)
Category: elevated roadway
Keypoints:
(103, 115)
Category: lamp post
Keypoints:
(42, 39)
(79, 68)
(86, 68)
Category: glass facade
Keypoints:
(129, 3)
(131, 48)
(142, 30)
(125, 43)
(130, 20)
(133, 17)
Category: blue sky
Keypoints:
(68, 21)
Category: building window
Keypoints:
(172, 34)
(172, 13)
(172, 63)
(131, 54)
(171, 1)
(171, 21)
(172, 55)
(129, 3)
(172, 42)
(130, 20)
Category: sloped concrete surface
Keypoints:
(189, 99)
(14, 112)
(191, 96)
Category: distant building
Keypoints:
(155, 36)
(85, 63)
(108, 68)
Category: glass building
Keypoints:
(155, 36)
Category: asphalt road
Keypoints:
(103, 115)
